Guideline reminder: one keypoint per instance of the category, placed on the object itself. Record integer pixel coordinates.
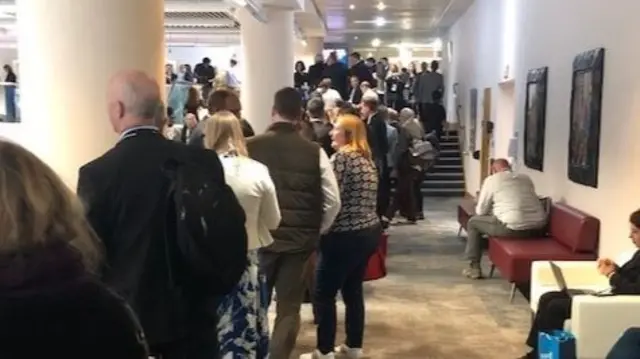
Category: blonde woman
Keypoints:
(48, 257)
(353, 238)
(243, 330)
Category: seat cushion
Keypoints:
(513, 256)
(466, 209)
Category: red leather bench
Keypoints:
(466, 209)
(573, 235)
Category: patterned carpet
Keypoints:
(425, 309)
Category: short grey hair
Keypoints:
(142, 102)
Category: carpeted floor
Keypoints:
(425, 309)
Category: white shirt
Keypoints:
(331, 193)
(330, 97)
(252, 185)
(512, 199)
(233, 78)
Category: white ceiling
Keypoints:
(212, 22)
(416, 22)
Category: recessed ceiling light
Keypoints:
(355, 38)
(352, 7)
(380, 21)
(375, 42)
(381, 6)
(370, 54)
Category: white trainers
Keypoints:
(351, 353)
(317, 355)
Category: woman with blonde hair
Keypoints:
(243, 329)
(49, 256)
(353, 238)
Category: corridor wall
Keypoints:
(550, 33)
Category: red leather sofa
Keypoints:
(572, 235)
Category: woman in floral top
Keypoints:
(345, 250)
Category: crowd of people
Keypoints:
(178, 238)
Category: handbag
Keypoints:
(376, 267)
(557, 344)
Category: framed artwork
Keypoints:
(586, 104)
(473, 119)
(535, 118)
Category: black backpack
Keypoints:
(210, 238)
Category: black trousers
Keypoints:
(553, 309)
(417, 192)
(384, 187)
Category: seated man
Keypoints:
(555, 307)
(507, 207)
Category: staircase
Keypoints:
(446, 178)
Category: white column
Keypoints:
(68, 50)
(268, 55)
(315, 45)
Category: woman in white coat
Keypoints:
(243, 329)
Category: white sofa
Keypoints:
(596, 322)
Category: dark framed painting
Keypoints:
(535, 114)
(473, 119)
(586, 105)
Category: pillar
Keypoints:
(68, 50)
(268, 55)
(315, 45)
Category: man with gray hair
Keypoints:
(125, 192)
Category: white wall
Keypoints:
(550, 33)
(8, 55)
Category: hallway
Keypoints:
(425, 309)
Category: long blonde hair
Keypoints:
(222, 132)
(355, 132)
(36, 208)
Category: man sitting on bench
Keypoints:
(507, 207)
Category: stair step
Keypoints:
(449, 161)
(444, 176)
(442, 192)
(447, 168)
(427, 182)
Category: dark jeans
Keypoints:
(628, 346)
(342, 262)
(417, 192)
(404, 198)
(384, 187)
(553, 309)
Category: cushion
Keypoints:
(513, 256)
(573, 228)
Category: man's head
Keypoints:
(365, 85)
(319, 59)
(287, 105)
(424, 66)
(435, 65)
(315, 108)
(333, 58)
(371, 62)
(500, 165)
(206, 61)
(224, 100)
(369, 106)
(354, 58)
(325, 84)
(406, 115)
(385, 61)
(355, 82)
(133, 99)
(233, 62)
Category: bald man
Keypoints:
(122, 191)
(508, 206)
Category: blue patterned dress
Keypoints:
(243, 327)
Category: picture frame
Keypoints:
(585, 117)
(535, 113)
(473, 119)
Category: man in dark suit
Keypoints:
(355, 94)
(359, 69)
(123, 192)
(321, 126)
(378, 141)
(316, 72)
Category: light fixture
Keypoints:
(406, 24)
(304, 43)
(370, 54)
(380, 21)
(437, 44)
(375, 42)
(381, 6)
(355, 38)
(352, 7)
